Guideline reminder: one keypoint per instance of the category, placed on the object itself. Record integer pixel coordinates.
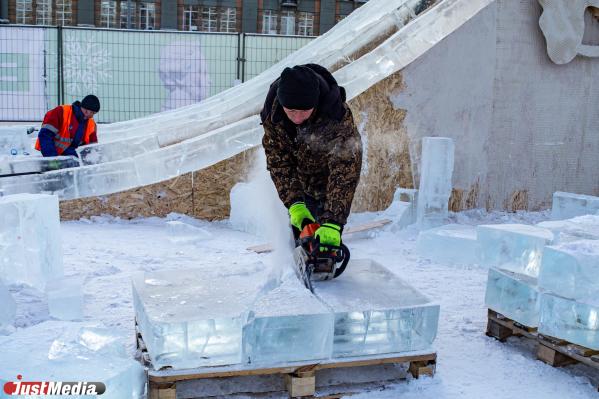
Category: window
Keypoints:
(125, 15)
(108, 14)
(64, 12)
(24, 12)
(147, 15)
(287, 23)
(305, 25)
(43, 12)
(209, 15)
(190, 16)
(269, 22)
(228, 20)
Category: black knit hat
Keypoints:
(91, 102)
(298, 88)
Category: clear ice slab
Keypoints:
(567, 319)
(454, 243)
(67, 351)
(30, 164)
(194, 317)
(513, 295)
(436, 169)
(377, 312)
(569, 205)
(288, 324)
(14, 138)
(30, 245)
(571, 270)
(8, 309)
(65, 298)
(515, 247)
(580, 227)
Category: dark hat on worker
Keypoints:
(91, 102)
(298, 88)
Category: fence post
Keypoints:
(59, 69)
(243, 60)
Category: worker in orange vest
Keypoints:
(66, 127)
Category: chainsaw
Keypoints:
(315, 264)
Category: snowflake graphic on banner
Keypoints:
(86, 64)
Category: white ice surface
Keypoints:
(110, 250)
(65, 298)
(577, 228)
(8, 309)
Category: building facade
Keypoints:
(279, 17)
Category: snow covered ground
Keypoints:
(107, 251)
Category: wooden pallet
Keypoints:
(553, 351)
(265, 248)
(299, 377)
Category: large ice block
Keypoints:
(402, 210)
(14, 138)
(59, 182)
(515, 247)
(580, 227)
(569, 205)
(30, 245)
(454, 243)
(109, 152)
(7, 309)
(571, 269)
(436, 169)
(65, 351)
(29, 164)
(567, 319)
(377, 312)
(288, 324)
(65, 298)
(513, 295)
(194, 317)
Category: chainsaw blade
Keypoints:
(303, 269)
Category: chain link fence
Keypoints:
(134, 73)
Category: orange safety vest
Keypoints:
(62, 138)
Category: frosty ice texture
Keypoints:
(288, 324)
(8, 308)
(580, 227)
(571, 269)
(450, 243)
(65, 298)
(30, 245)
(513, 295)
(575, 322)
(436, 169)
(59, 351)
(515, 247)
(376, 312)
(569, 205)
(194, 317)
(180, 232)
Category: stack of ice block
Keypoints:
(569, 279)
(59, 351)
(65, 298)
(580, 227)
(30, 245)
(569, 205)
(7, 309)
(288, 324)
(376, 312)
(436, 169)
(453, 243)
(195, 318)
(514, 253)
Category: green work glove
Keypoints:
(53, 165)
(298, 213)
(328, 234)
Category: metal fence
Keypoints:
(134, 73)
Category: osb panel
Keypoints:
(387, 154)
(203, 194)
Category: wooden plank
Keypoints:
(498, 330)
(552, 357)
(581, 350)
(265, 248)
(300, 386)
(419, 369)
(163, 391)
(166, 376)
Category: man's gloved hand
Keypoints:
(298, 212)
(54, 165)
(328, 234)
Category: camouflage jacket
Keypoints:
(321, 158)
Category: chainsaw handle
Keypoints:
(341, 268)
